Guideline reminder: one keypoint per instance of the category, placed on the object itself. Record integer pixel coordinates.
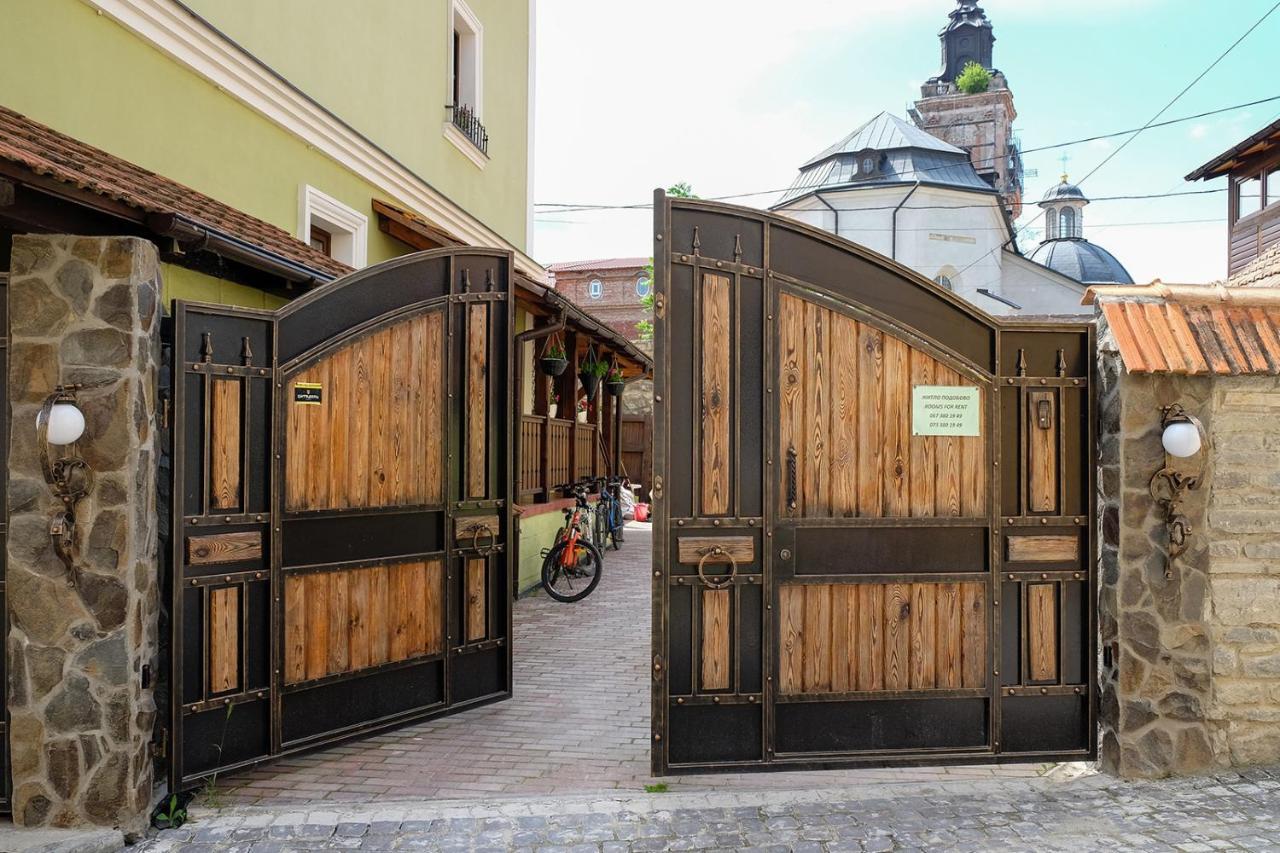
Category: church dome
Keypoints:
(1079, 259)
(1064, 192)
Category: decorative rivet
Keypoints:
(719, 263)
(996, 463)
(1044, 381)
(657, 574)
(195, 367)
(657, 398)
(680, 701)
(195, 521)
(226, 519)
(1075, 382)
(680, 523)
(1011, 521)
(1043, 576)
(997, 672)
(257, 575)
(658, 237)
(1044, 691)
(1077, 691)
(1044, 521)
(193, 581)
(1076, 519)
(785, 554)
(751, 699)
(1076, 576)
(1011, 576)
(1010, 381)
(231, 370)
(716, 523)
(751, 270)
(1012, 692)
(716, 700)
(995, 603)
(751, 522)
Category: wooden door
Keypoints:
(342, 475)
(873, 539)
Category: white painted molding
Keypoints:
(348, 228)
(465, 145)
(191, 43)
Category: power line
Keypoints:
(570, 207)
(1152, 121)
(984, 228)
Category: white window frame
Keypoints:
(648, 286)
(461, 17)
(348, 228)
(595, 289)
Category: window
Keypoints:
(1273, 186)
(595, 289)
(1248, 196)
(947, 277)
(944, 281)
(1051, 224)
(465, 73)
(1067, 226)
(329, 226)
(643, 287)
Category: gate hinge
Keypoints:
(656, 491)
(659, 305)
(164, 410)
(160, 746)
(659, 668)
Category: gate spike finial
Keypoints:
(1062, 363)
(246, 352)
(206, 347)
(488, 280)
(466, 280)
(1022, 362)
(697, 241)
(737, 248)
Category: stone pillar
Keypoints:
(84, 310)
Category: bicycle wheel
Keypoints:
(574, 582)
(616, 524)
(599, 527)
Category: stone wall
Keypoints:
(1190, 669)
(84, 310)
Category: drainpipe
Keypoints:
(836, 211)
(893, 252)
(195, 236)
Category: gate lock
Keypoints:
(1044, 413)
(721, 583)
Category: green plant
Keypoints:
(554, 350)
(974, 79)
(681, 190)
(615, 375)
(596, 368)
(170, 815)
(656, 788)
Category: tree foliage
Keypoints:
(645, 327)
(974, 79)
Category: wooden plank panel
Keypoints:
(400, 608)
(434, 607)
(844, 625)
(716, 404)
(923, 447)
(870, 642)
(226, 426)
(224, 639)
(360, 423)
(400, 474)
(1042, 632)
(317, 447)
(297, 423)
(477, 399)
(224, 548)
(417, 489)
(1042, 452)
(973, 468)
(870, 421)
(417, 607)
(897, 428)
(317, 598)
(380, 426)
(338, 404)
(948, 663)
(476, 600)
(692, 548)
(715, 639)
(924, 640)
(815, 484)
(947, 487)
(844, 416)
(791, 635)
(295, 629)
(791, 366)
(897, 636)
(817, 638)
(973, 630)
(339, 623)
(380, 615)
(1043, 549)
(359, 583)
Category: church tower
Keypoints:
(981, 123)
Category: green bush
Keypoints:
(974, 79)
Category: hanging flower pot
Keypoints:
(615, 385)
(553, 361)
(590, 383)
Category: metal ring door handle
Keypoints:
(717, 551)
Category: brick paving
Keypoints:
(1060, 812)
(578, 723)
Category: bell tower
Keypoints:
(979, 122)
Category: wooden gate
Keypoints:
(341, 510)
(874, 531)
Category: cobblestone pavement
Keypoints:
(578, 724)
(1056, 813)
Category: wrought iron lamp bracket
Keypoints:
(1170, 485)
(69, 477)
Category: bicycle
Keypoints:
(608, 514)
(572, 566)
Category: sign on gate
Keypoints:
(943, 410)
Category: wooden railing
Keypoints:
(555, 451)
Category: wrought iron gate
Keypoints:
(874, 534)
(341, 510)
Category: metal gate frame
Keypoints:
(264, 348)
(737, 728)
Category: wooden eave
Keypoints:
(545, 302)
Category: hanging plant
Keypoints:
(593, 370)
(553, 361)
(615, 385)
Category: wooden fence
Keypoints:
(555, 451)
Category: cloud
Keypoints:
(1198, 131)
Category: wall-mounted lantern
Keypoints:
(59, 425)
(1183, 437)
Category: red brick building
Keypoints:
(609, 289)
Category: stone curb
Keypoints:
(14, 840)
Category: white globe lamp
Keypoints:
(65, 424)
(1181, 439)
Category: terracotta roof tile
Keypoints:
(1194, 336)
(601, 264)
(55, 155)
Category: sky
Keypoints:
(733, 95)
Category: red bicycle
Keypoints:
(572, 566)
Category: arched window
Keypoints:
(1068, 225)
(1051, 224)
(595, 289)
(643, 287)
(945, 281)
(947, 277)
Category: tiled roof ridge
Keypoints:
(1184, 294)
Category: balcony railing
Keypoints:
(555, 451)
(465, 120)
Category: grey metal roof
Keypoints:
(1079, 259)
(885, 132)
(1064, 190)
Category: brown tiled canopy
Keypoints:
(1193, 329)
(57, 156)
